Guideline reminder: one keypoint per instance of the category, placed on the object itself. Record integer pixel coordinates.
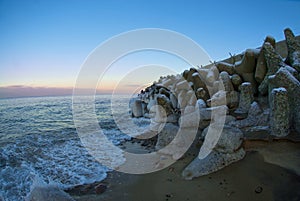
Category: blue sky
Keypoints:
(44, 43)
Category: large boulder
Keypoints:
(166, 135)
(48, 193)
(227, 150)
(136, 108)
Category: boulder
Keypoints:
(166, 135)
(209, 76)
(198, 83)
(48, 193)
(246, 67)
(236, 81)
(280, 111)
(256, 117)
(227, 150)
(201, 93)
(223, 66)
(274, 63)
(283, 78)
(137, 108)
(261, 65)
(246, 98)
(293, 46)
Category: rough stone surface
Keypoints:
(201, 103)
(245, 68)
(223, 66)
(217, 99)
(261, 66)
(227, 150)
(166, 135)
(283, 78)
(165, 102)
(224, 88)
(225, 78)
(201, 93)
(293, 57)
(236, 80)
(230, 140)
(256, 117)
(274, 63)
(211, 112)
(209, 76)
(173, 100)
(212, 163)
(198, 83)
(246, 98)
(48, 193)
(280, 111)
(136, 108)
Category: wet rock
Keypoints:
(48, 193)
(258, 189)
(136, 108)
(100, 188)
(151, 103)
(166, 135)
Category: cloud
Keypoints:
(133, 85)
(28, 91)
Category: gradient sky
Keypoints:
(44, 43)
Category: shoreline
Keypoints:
(259, 176)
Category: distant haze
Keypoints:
(44, 43)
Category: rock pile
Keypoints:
(258, 92)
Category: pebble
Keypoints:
(171, 169)
(258, 189)
(169, 195)
(100, 188)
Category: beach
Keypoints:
(249, 179)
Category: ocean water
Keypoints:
(38, 138)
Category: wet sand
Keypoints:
(268, 172)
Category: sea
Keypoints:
(38, 139)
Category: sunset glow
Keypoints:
(45, 43)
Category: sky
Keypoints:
(45, 43)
